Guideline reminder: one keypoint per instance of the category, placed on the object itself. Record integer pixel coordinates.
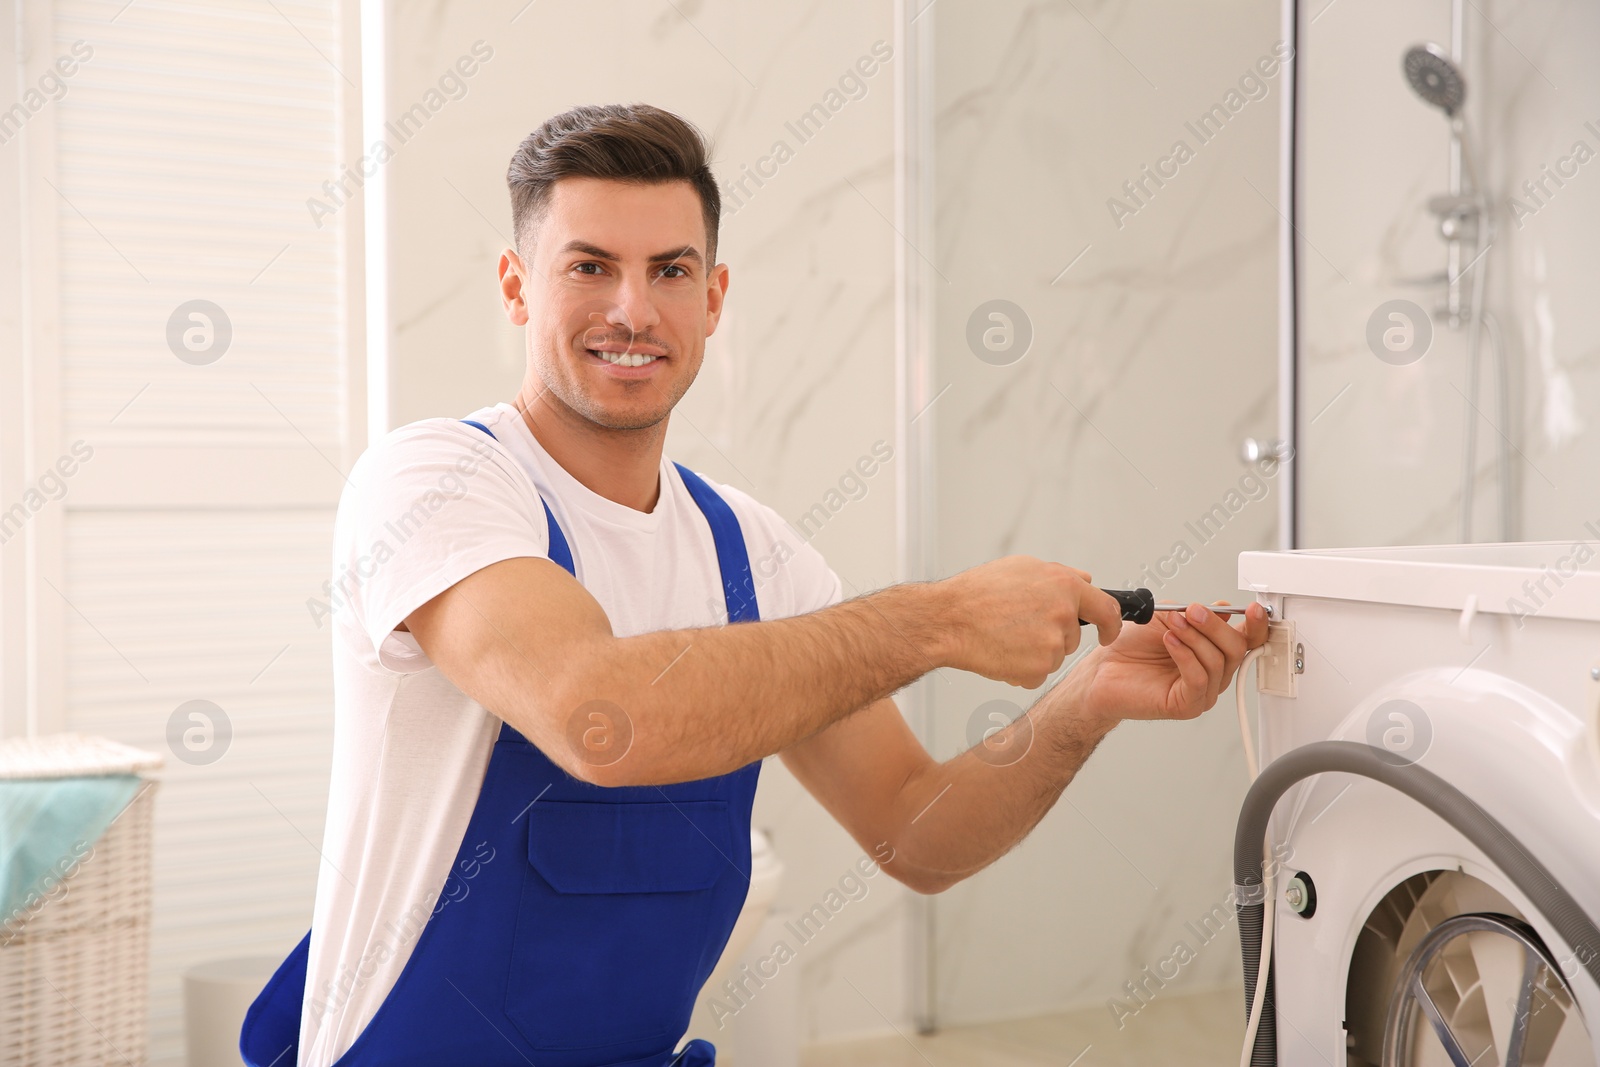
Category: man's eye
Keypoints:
(584, 268)
(682, 273)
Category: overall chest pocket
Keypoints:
(616, 929)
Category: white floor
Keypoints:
(1194, 1031)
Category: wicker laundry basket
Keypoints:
(74, 964)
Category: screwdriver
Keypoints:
(1139, 606)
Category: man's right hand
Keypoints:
(1016, 619)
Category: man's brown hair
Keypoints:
(617, 142)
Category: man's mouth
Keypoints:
(631, 354)
(624, 358)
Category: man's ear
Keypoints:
(716, 293)
(513, 277)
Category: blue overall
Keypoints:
(579, 922)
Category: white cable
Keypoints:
(1244, 714)
(1253, 1021)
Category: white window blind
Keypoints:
(173, 169)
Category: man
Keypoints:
(556, 672)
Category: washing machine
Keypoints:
(1427, 814)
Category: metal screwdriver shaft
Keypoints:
(1215, 609)
(1139, 606)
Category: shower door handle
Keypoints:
(1253, 449)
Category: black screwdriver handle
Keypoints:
(1138, 605)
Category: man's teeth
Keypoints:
(626, 359)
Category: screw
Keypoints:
(1301, 895)
(1299, 659)
(1594, 672)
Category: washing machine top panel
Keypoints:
(1560, 578)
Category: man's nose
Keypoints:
(635, 306)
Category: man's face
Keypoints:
(618, 296)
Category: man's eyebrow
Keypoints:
(686, 252)
(590, 250)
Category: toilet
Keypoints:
(766, 874)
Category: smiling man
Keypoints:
(547, 739)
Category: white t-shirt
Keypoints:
(428, 505)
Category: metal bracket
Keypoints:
(1283, 661)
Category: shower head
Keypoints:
(1435, 77)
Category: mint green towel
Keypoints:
(47, 826)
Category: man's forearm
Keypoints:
(702, 702)
(959, 816)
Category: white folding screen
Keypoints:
(188, 364)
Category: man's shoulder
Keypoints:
(424, 435)
(433, 459)
(441, 443)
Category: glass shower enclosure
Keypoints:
(1447, 346)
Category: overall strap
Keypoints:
(560, 552)
(738, 588)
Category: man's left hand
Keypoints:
(1173, 667)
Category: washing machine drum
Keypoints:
(1446, 973)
